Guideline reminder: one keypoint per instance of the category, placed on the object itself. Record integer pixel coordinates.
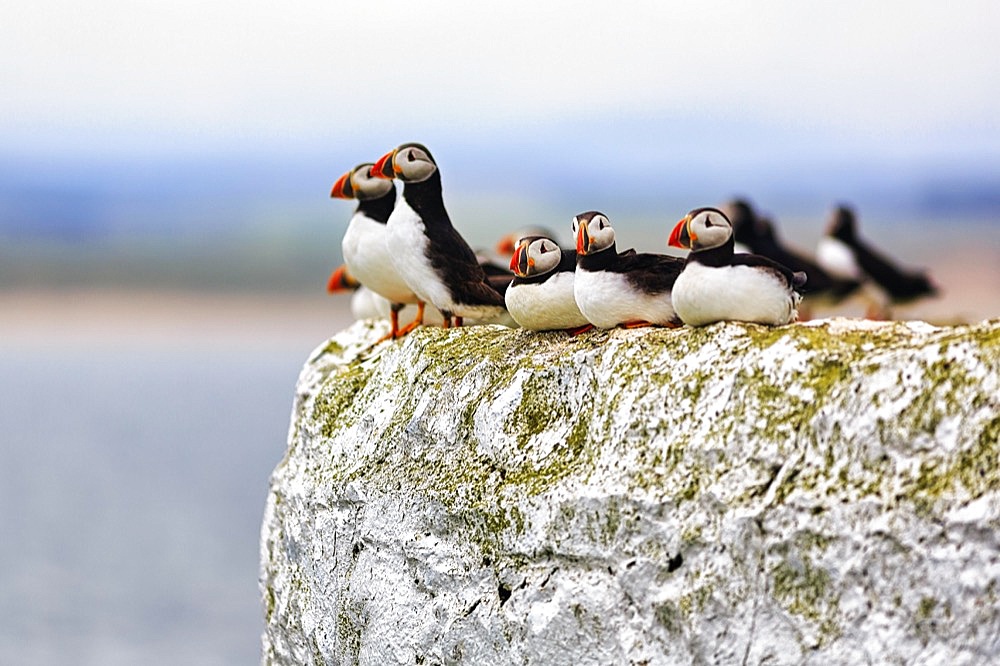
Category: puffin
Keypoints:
(628, 288)
(426, 249)
(366, 253)
(843, 253)
(540, 298)
(718, 284)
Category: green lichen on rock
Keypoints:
(645, 492)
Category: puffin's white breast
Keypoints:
(607, 299)
(706, 294)
(544, 306)
(837, 259)
(367, 257)
(406, 243)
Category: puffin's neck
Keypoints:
(721, 255)
(844, 233)
(599, 260)
(425, 199)
(380, 208)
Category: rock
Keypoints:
(822, 493)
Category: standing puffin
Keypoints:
(841, 252)
(720, 285)
(427, 251)
(628, 288)
(540, 298)
(364, 246)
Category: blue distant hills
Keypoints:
(238, 217)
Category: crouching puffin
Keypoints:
(843, 253)
(426, 250)
(719, 285)
(364, 246)
(540, 297)
(628, 288)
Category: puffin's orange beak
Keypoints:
(680, 236)
(341, 281)
(515, 261)
(582, 239)
(506, 245)
(342, 188)
(384, 166)
(521, 262)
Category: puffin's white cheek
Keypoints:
(418, 170)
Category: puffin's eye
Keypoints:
(409, 156)
(708, 221)
(600, 223)
(543, 248)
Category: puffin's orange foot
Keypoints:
(417, 321)
(408, 328)
(581, 329)
(636, 324)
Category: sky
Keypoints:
(159, 77)
(184, 118)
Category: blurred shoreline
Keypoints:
(106, 316)
(116, 316)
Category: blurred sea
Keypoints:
(134, 463)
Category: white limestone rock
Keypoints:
(822, 494)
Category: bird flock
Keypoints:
(404, 253)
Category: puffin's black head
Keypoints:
(701, 229)
(843, 225)
(360, 184)
(593, 232)
(410, 163)
(535, 255)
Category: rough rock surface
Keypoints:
(821, 494)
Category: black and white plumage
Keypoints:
(626, 288)
(541, 296)
(364, 245)
(720, 285)
(427, 251)
(842, 252)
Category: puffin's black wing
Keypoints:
(455, 261)
(651, 272)
(792, 279)
(499, 283)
